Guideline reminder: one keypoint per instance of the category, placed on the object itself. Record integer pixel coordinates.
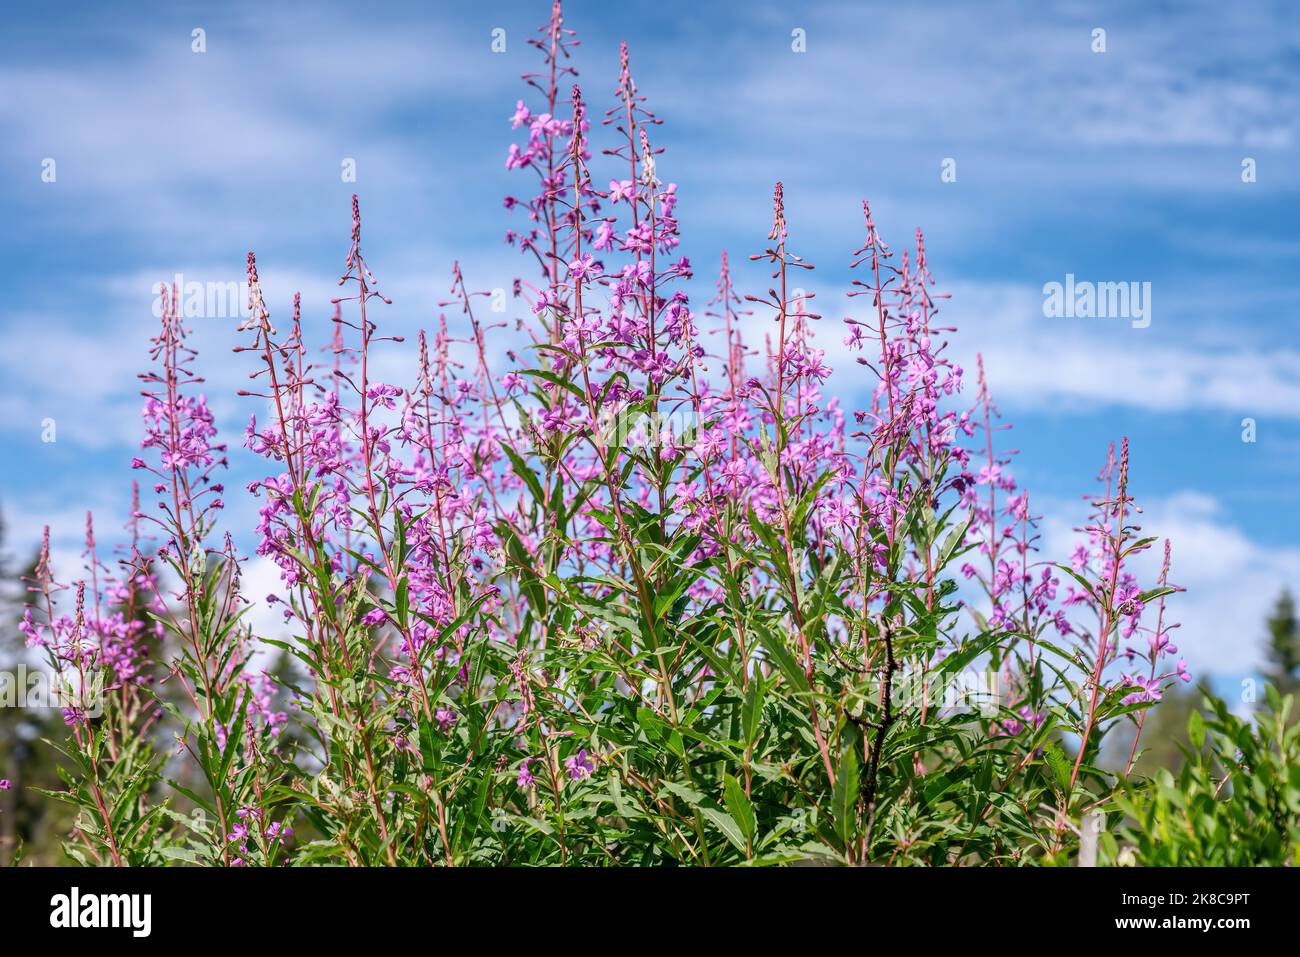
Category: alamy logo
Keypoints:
(1098, 300)
(41, 688)
(203, 300)
(74, 910)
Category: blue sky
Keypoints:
(1116, 167)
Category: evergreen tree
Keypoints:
(1283, 650)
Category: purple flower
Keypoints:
(384, 395)
(1148, 689)
(583, 267)
(445, 718)
(579, 765)
(604, 238)
(620, 189)
(525, 778)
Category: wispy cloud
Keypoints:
(1099, 364)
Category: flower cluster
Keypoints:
(641, 592)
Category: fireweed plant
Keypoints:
(648, 595)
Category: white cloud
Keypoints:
(1083, 366)
(1017, 75)
(1095, 364)
(259, 577)
(84, 382)
(252, 106)
(93, 392)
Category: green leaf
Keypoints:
(740, 806)
(554, 379)
(687, 794)
(1059, 764)
(729, 828)
(650, 723)
(844, 799)
(1196, 730)
(952, 542)
(752, 710)
(402, 601)
(524, 472)
(774, 645)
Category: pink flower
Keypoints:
(579, 765)
(525, 779)
(583, 267)
(384, 395)
(1148, 689)
(620, 189)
